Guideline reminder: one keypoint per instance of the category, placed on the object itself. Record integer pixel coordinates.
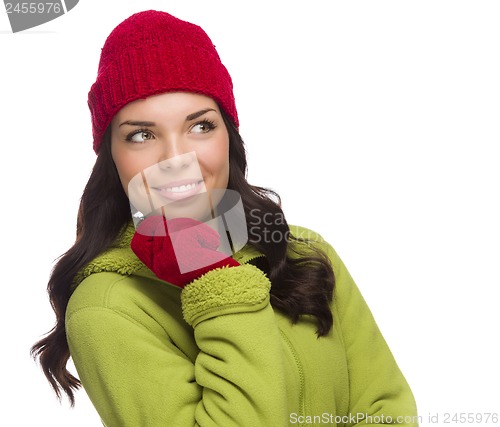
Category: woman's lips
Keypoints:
(179, 190)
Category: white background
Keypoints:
(376, 121)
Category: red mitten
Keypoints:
(178, 250)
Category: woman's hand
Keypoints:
(178, 250)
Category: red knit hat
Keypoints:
(153, 52)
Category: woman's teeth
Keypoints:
(181, 188)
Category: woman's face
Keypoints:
(172, 154)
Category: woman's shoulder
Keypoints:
(97, 290)
(108, 305)
(120, 293)
(309, 237)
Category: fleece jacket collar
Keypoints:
(120, 258)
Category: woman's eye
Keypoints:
(203, 127)
(139, 136)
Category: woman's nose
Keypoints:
(175, 156)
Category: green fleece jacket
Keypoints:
(217, 354)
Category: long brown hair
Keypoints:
(301, 285)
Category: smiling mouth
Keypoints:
(180, 189)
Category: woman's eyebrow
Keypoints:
(137, 123)
(190, 117)
(198, 114)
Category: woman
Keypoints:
(268, 333)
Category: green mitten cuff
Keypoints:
(225, 290)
